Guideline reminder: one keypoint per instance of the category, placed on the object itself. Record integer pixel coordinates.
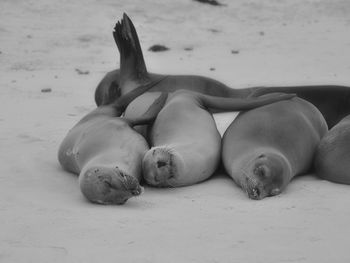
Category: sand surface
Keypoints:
(49, 44)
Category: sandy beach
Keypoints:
(53, 53)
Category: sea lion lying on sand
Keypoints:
(106, 152)
(264, 148)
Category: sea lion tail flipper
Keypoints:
(256, 92)
(151, 113)
(132, 64)
(259, 91)
(238, 104)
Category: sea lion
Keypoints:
(186, 144)
(332, 159)
(264, 148)
(333, 101)
(106, 152)
(133, 70)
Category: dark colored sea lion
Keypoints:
(133, 70)
(332, 101)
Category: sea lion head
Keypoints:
(161, 166)
(104, 185)
(265, 175)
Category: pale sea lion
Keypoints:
(106, 152)
(186, 144)
(333, 101)
(264, 148)
(332, 159)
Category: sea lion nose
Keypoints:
(137, 191)
(161, 164)
(255, 193)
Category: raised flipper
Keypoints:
(132, 64)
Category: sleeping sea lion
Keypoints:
(264, 148)
(106, 152)
(333, 101)
(186, 144)
(332, 159)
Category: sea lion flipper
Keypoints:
(238, 104)
(121, 103)
(132, 64)
(256, 92)
(151, 113)
(116, 108)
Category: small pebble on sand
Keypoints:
(209, 2)
(82, 72)
(158, 48)
(44, 90)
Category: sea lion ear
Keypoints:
(275, 191)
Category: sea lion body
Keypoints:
(106, 152)
(264, 148)
(332, 159)
(186, 144)
(97, 150)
